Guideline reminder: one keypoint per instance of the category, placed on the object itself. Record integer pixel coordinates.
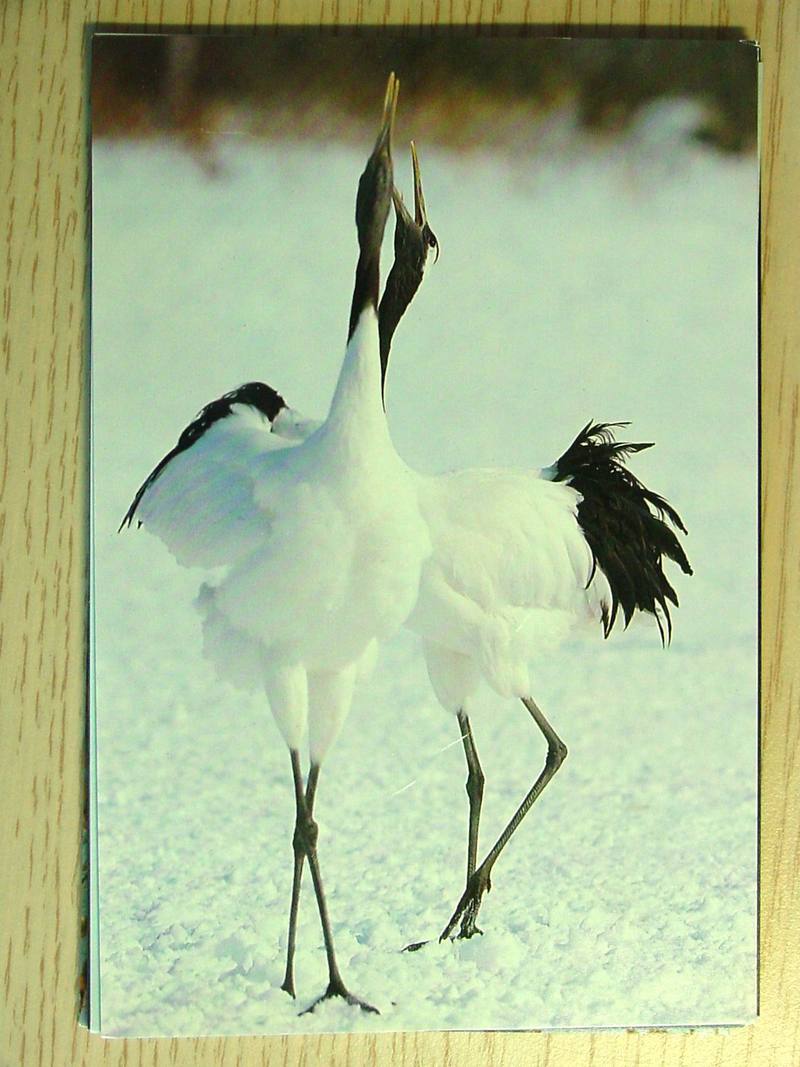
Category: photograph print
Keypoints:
(424, 575)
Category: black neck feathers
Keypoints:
(365, 290)
(372, 210)
(410, 252)
(413, 240)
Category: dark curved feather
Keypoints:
(626, 525)
(256, 395)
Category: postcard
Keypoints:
(424, 564)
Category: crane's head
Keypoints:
(413, 240)
(413, 237)
(376, 183)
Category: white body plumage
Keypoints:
(510, 575)
(320, 541)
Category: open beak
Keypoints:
(420, 214)
(384, 141)
(400, 205)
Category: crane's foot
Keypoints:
(468, 907)
(338, 989)
(288, 986)
(466, 912)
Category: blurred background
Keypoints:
(470, 90)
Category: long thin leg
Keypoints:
(307, 831)
(475, 780)
(299, 861)
(468, 907)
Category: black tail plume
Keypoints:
(625, 525)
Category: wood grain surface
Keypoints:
(43, 460)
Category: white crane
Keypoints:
(320, 537)
(520, 558)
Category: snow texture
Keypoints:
(586, 281)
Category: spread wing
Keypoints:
(199, 499)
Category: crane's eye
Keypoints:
(431, 240)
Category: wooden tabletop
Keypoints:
(43, 528)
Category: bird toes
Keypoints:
(415, 946)
(346, 995)
(468, 929)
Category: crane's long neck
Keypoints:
(356, 404)
(357, 401)
(366, 289)
(358, 391)
(404, 279)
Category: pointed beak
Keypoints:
(400, 206)
(420, 214)
(384, 141)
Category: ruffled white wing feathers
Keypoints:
(203, 505)
(510, 574)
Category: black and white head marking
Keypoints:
(413, 240)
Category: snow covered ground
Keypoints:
(585, 281)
